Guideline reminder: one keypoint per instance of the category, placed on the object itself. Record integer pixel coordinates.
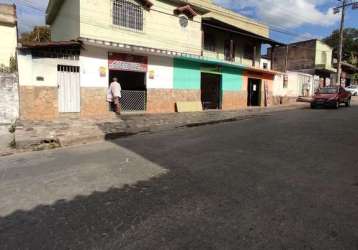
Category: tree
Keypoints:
(350, 45)
(38, 34)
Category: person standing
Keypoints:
(114, 95)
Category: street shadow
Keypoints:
(107, 220)
(170, 211)
(216, 194)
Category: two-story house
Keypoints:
(162, 51)
(312, 57)
(8, 31)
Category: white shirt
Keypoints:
(114, 90)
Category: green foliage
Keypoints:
(39, 34)
(13, 64)
(11, 68)
(350, 45)
(355, 78)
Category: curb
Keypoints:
(61, 142)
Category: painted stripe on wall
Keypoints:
(232, 79)
(186, 74)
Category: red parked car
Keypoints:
(331, 97)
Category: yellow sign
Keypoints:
(102, 72)
(189, 107)
(151, 74)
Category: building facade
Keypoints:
(8, 31)
(289, 86)
(162, 52)
(312, 57)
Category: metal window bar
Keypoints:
(134, 100)
(127, 14)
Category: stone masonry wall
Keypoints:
(94, 103)
(233, 100)
(279, 100)
(9, 98)
(164, 100)
(38, 103)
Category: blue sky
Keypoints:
(302, 19)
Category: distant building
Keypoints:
(312, 57)
(8, 31)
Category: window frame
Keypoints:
(125, 17)
(209, 37)
(248, 55)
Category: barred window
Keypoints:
(127, 14)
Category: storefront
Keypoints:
(131, 72)
(151, 82)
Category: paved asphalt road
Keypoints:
(283, 181)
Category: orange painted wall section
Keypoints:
(265, 78)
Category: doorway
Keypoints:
(68, 89)
(254, 92)
(211, 91)
(134, 90)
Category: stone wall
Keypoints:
(38, 103)
(278, 100)
(233, 100)
(94, 103)
(9, 98)
(164, 100)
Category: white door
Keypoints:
(68, 88)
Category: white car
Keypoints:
(353, 89)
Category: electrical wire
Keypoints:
(185, 45)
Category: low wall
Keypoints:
(9, 98)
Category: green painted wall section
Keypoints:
(186, 74)
(232, 79)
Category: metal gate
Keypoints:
(68, 88)
(134, 100)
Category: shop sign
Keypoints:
(127, 62)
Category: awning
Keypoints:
(141, 50)
(208, 61)
(187, 10)
(52, 44)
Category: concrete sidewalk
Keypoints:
(40, 135)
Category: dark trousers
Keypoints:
(116, 105)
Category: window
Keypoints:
(127, 14)
(265, 65)
(248, 52)
(209, 42)
(229, 50)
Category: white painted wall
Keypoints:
(31, 68)
(91, 61)
(162, 70)
(293, 87)
(8, 43)
(278, 89)
(93, 58)
(263, 61)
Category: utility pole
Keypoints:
(340, 47)
(342, 9)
